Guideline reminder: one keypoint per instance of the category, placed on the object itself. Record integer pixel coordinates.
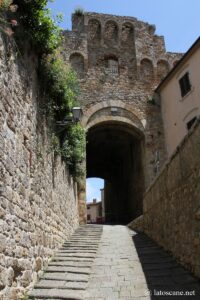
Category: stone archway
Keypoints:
(115, 153)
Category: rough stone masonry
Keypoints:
(38, 198)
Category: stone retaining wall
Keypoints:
(172, 204)
(38, 198)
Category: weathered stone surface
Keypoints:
(59, 294)
(9, 275)
(171, 205)
(38, 205)
(67, 275)
(130, 265)
(121, 61)
(69, 269)
(61, 285)
(70, 264)
(37, 264)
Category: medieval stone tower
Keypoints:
(119, 62)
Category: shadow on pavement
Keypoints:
(163, 274)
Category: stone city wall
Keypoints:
(38, 198)
(120, 61)
(171, 213)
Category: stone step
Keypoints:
(87, 244)
(84, 233)
(68, 272)
(83, 244)
(88, 233)
(65, 276)
(68, 269)
(75, 254)
(76, 251)
(78, 248)
(57, 294)
(54, 284)
(70, 263)
(85, 236)
(72, 259)
(85, 240)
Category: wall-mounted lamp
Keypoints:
(77, 114)
(75, 118)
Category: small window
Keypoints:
(191, 122)
(185, 85)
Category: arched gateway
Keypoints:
(115, 152)
(125, 142)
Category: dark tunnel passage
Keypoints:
(115, 153)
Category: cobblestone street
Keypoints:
(113, 262)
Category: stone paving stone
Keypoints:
(61, 285)
(68, 272)
(72, 259)
(65, 276)
(78, 247)
(68, 269)
(57, 293)
(127, 265)
(74, 254)
(75, 251)
(69, 263)
(130, 269)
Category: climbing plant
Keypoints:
(59, 86)
(38, 26)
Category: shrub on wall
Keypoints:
(59, 86)
(38, 26)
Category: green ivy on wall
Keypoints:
(59, 85)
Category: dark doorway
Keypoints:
(115, 153)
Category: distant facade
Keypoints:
(180, 97)
(94, 212)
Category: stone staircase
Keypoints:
(68, 273)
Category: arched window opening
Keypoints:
(111, 32)
(94, 30)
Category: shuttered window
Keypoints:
(185, 85)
